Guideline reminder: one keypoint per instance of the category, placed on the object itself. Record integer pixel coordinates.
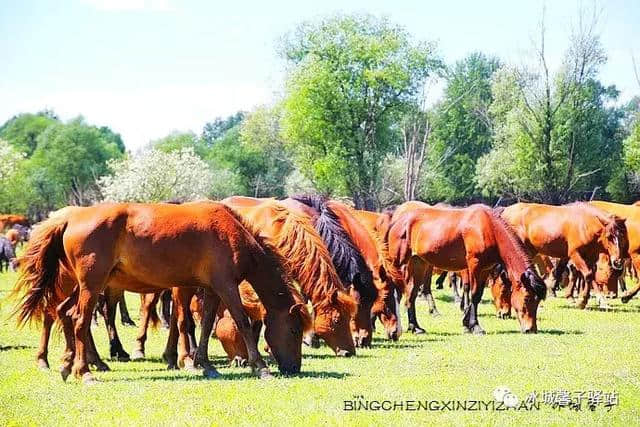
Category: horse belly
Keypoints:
(450, 256)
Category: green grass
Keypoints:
(575, 350)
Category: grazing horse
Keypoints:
(348, 260)
(150, 247)
(472, 240)
(631, 216)
(13, 236)
(11, 220)
(372, 250)
(309, 264)
(578, 232)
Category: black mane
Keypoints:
(346, 257)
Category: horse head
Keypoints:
(332, 322)
(616, 242)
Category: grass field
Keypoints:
(575, 351)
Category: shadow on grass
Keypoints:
(14, 347)
(225, 376)
(613, 309)
(541, 332)
(358, 355)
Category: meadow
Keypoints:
(574, 351)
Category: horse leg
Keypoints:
(477, 280)
(426, 289)
(453, 281)
(181, 299)
(209, 309)
(170, 354)
(416, 271)
(440, 280)
(635, 260)
(64, 311)
(587, 275)
(147, 303)
(43, 349)
(125, 318)
(165, 311)
(112, 296)
(87, 299)
(231, 298)
(93, 358)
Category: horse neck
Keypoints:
(510, 249)
(267, 279)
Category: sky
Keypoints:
(146, 68)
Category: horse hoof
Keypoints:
(264, 374)
(211, 373)
(129, 323)
(43, 365)
(478, 331)
(137, 355)
(418, 330)
(625, 299)
(65, 372)
(88, 379)
(102, 367)
(172, 367)
(435, 313)
(581, 305)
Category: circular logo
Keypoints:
(510, 400)
(500, 392)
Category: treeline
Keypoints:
(354, 122)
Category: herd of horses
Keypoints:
(301, 270)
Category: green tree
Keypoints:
(22, 131)
(217, 128)
(462, 130)
(177, 141)
(349, 76)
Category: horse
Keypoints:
(347, 258)
(158, 246)
(9, 220)
(472, 240)
(578, 232)
(310, 265)
(631, 216)
(13, 236)
(7, 255)
(383, 291)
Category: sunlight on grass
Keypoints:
(575, 350)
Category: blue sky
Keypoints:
(148, 67)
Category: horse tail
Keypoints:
(511, 251)
(154, 319)
(40, 267)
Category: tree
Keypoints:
(217, 128)
(255, 150)
(349, 76)
(177, 141)
(156, 176)
(462, 130)
(553, 131)
(22, 131)
(10, 159)
(65, 164)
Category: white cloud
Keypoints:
(147, 113)
(123, 5)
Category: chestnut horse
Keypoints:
(578, 232)
(631, 216)
(348, 260)
(309, 264)
(11, 220)
(372, 250)
(155, 246)
(472, 240)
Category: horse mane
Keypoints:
(512, 250)
(347, 259)
(307, 257)
(269, 250)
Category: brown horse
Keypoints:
(348, 259)
(577, 232)
(631, 216)
(310, 265)
(156, 246)
(472, 240)
(9, 220)
(372, 249)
